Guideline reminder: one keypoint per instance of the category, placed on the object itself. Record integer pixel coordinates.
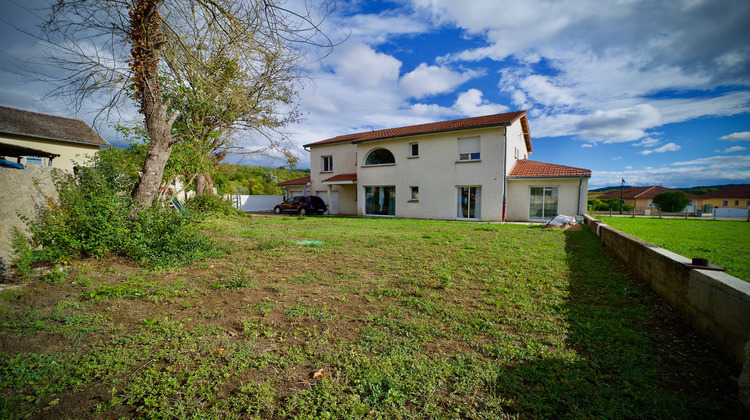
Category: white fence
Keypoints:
(730, 212)
(256, 202)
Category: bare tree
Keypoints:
(183, 42)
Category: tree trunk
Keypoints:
(147, 40)
(200, 184)
(209, 184)
(147, 187)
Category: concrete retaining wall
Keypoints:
(22, 191)
(715, 302)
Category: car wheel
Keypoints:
(302, 211)
(277, 210)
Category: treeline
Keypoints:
(253, 180)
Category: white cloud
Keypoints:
(719, 162)
(734, 149)
(587, 145)
(361, 65)
(619, 125)
(648, 142)
(609, 59)
(741, 136)
(617, 158)
(544, 91)
(717, 169)
(669, 147)
(379, 28)
(470, 103)
(431, 80)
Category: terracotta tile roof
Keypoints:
(298, 181)
(643, 192)
(342, 178)
(26, 123)
(461, 124)
(742, 191)
(529, 168)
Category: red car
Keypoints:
(302, 204)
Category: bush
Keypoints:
(94, 216)
(671, 201)
(204, 205)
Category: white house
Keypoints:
(467, 169)
(48, 140)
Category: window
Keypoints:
(413, 150)
(725, 203)
(468, 149)
(327, 165)
(516, 153)
(736, 202)
(380, 157)
(543, 203)
(414, 194)
(747, 203)
(33, 160)
(380, 200)
(469, 202)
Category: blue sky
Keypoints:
(652, 92)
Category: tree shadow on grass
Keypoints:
(637, 357)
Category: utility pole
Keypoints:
(622, 185)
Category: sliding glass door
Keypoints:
(469, 202)
(380, 200)
(543, 203)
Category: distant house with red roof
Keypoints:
(467, 169)
(641, 197)
(737, 197)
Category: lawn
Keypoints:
(385, 319)
(725, 243)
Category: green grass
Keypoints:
(387, 319)
(725, 243)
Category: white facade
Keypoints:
(458, 174)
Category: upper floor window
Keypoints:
(468, 148)
(380, 157)
(327, 165)
(736, 202)
(413, 150)
(725, 203)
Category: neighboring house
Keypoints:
(641, 198)
(729, 197)
(32, 138)
(467, 169)
(296, 186)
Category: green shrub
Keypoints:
(94, 216)
(204, 205)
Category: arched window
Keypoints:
(380, 157)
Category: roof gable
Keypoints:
(504, 119)
(43, 126)
(525, 168)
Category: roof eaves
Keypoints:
(106, 145)
(503, 124)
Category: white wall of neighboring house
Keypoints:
(71, 154)
(519, 193)
(437, 172)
